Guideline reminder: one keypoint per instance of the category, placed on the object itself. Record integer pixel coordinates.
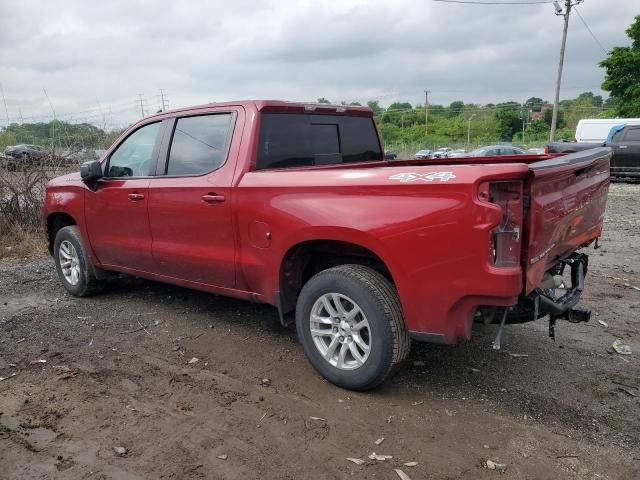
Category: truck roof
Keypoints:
(280, 106)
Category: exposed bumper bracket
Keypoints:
(564, 306)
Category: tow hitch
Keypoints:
(564, 307)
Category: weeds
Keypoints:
(21, 199)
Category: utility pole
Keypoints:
(426, 112)
(141, 104)
(53, 124)
(164, 100)
(567, 11)
(6, 112)
(469, 130)
(525, 117)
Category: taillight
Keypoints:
(504, 242)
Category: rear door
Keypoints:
(190, 199)
(567, 201)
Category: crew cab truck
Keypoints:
(294, 205)
(624, 141)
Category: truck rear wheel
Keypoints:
(349, 322)
(73, 264)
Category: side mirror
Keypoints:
(91, 172)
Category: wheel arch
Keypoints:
(305, 258)
(56, 221)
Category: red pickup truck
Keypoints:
(294, 205)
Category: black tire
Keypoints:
(87, 283)
(378, 300)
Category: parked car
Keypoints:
(388, 155)
(496, 150)
(422, 154)
(25, 151)
(442, 152)
(536, 151)
(624, 140)
(457, 153)
(23, 156)
(258, 200)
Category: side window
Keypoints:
(617, 137)
(200, 144)
(632, 135)
(132, 158)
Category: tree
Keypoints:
(7, 138)
(323, 100)
(375, 106)
(622, 77)
(355, 104)
(589, 97)
(456, 108)
(534, 104)
(509, 114)
(548, 113)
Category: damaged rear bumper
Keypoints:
(564, 306)
(543, 301)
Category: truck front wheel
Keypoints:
(350, 325)
(73, 264)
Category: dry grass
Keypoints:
(21, 242)
(21, 200)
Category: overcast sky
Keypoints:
(93, 57)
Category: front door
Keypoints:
(190, 202)
(627, 151)
(116, 212)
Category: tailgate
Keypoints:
(568, 197)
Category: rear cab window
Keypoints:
(289, 140)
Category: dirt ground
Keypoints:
(119, 373)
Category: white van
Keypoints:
(596, 130)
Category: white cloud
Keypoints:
(92, 55)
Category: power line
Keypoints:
(589, 30)
(76, 113)
(469, 2)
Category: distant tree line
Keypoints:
(402, 125)
(57, 135)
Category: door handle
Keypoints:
(135, 196)
(622, 146)
(212, 198)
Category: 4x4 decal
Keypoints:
(425, 177)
